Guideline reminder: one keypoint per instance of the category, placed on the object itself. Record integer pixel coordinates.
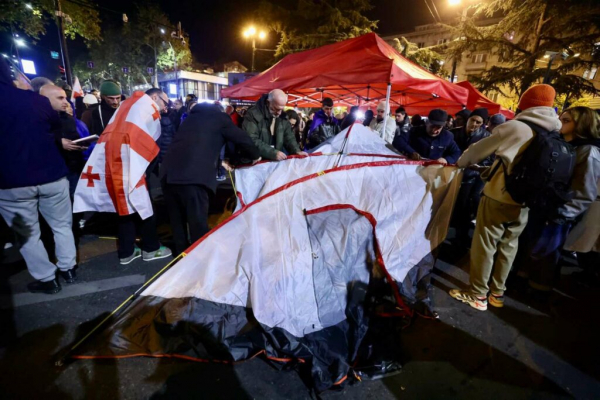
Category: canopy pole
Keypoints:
(387, 112)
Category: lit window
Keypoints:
(172, 88)
(593, 73)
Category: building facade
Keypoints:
(476, 62)
(205, 86)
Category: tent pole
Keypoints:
(387, 102)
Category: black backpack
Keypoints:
(541, 178)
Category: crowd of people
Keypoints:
(43, 161)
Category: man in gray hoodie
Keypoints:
(500, 220)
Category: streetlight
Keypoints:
(463, 16)
(20, 42)
(29, 6)
(250, 33)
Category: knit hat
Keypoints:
(497, 119)
(537, 96)
(480, 112)
(90, 99)
(465, 113)
(437, 117)
(382, 106)
(327, 102)
(110, 88)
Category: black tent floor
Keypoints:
(530, 349)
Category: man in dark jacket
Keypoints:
(189, 169)
(110, 92)
(465, 208)
(324, 125)
(32, 181)
(269, 128)
(402, 122)
(65, 134)
(431, 141)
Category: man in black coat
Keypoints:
(190, 167)
(110, 92)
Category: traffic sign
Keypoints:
(125, 70)
(90, 64)
(54, 55)
(150, 70)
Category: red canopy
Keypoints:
(353, 72)
(478, 100)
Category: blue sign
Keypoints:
(90, 64)
(125, 70)
(150, 70)
(54, 55)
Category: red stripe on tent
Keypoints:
(373, 223)
(239, 196)
(304, 179)
(189, 358)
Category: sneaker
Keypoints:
(496, 300)
(137, 253)
(50, 287)
(162, 252)
(475, 302)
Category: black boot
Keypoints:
(70, 276)
(50, 287)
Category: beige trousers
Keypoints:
(494, 245)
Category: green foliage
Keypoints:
(536, 27)
(425, 57)
(84, 20)
(133, 45)
(306, 24)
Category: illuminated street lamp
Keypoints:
(251, 33)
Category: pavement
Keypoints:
(530, 349)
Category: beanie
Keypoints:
(327, 102)
(497, 119)
(480, 112)
(110, 88)
(382, 106)
(465, 113)
(537, 96)
(90, 99)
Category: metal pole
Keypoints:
(547, 77)
(155, 83)
(63, 43)
(387, 111)
(253, 51)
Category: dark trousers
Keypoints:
(465, 209)
(129, 225)
(187, 206)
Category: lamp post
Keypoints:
(251, 33)
(463, 17)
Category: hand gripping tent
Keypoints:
(287, 274)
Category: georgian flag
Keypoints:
(113, 179)
(77, 90)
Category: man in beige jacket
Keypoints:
(500, 220)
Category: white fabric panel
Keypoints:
(262, 258)
(96, 197)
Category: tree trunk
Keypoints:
(536, 45)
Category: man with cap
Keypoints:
(110, 93)
(500, 220)
(324, 125)
(269, 128)
(387, 132)
(469, 195)
(495, 120)
(90, 103)
(430, 141)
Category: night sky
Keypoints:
(215, 28)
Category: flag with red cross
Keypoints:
(114, 177)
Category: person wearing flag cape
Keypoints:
(114, 177)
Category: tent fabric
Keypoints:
(352, 72)
(479, 100)
(287, 274)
